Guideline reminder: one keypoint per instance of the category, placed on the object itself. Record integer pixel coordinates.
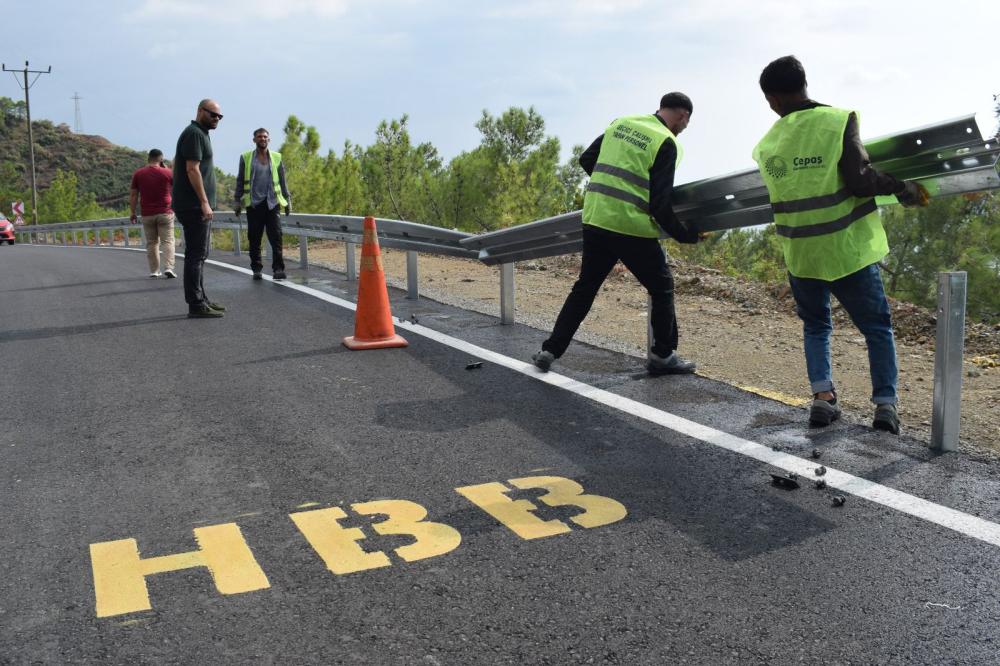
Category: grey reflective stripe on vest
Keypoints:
(812, 203)
(625, 175)
(833, 226)
(615, 193)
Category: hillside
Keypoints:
(101, 167)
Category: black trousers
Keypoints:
(645, 259)
(259, 219)
(197, 239)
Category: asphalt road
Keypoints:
(293, 472)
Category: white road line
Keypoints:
(963, 523)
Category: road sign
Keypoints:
(18, 220)
(17, 208)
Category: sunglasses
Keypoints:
(217, 116)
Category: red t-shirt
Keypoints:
(153, 183)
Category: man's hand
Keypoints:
(704, 235)
(913, 195)
(236, 210)
(206, 212)
(133, 219)
(288, 210)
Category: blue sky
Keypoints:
(344, 65)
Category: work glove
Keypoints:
(236, 210)
(288, 210)
(133, 219)
(913, 195)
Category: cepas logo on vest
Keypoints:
(776, 167)
(813, 162)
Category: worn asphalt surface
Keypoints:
(123, 419)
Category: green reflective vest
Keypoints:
(275, 163)
(826, 232)
(617, 197)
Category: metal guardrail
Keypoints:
(952, 157)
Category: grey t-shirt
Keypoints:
(262, 183)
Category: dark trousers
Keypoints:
(645, 259)
(197, 239)
(259, 219)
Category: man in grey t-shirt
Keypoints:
(261, 189)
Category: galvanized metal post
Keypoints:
(352, 265)
(62, 235)
(303, 251)
(128, 233)
(412, 278)
(649, 323)
(949, 349)
(236, 239)
(507, 293)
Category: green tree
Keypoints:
(62, 201)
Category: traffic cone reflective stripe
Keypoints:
(373, 327)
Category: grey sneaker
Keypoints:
(886, 418)
(823, 412)
(671, 365)
(169, 274)
(543, 360)
(257, 275)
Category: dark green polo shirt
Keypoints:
(193, 144)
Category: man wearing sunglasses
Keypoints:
(193, 199)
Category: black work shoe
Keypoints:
(543, 360)
(886, 418)
(823, 412)
(203, 312)
(279, 275)
(257, 275)
(215, 306)
(671, 365)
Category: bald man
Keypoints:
(193, 200)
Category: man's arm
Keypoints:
(661, 189)
(856, 167)
(194, 176)
(284, 188)
(133, 199)
(238, 194)
(588, 158)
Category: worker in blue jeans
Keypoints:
(822, 189)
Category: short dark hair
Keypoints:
(261, 129)
(676, 100)
(155, 154)
(784, 76)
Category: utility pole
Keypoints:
(77, 122)
(31, 137)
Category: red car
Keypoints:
(6, 230)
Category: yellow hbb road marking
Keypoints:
(120, 572)
(519, 517)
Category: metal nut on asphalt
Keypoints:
(815, 454)
(820, 471)
(838, 500)
(820, 484)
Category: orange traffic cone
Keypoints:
(373, 327)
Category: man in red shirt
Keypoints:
(153, 182)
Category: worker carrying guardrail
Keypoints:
(822, 188)
(627, 201)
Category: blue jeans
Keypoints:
(863, 298)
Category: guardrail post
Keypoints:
(128, 232)
(948, 352)
(303, 251)
(236, 239)
(412, 277)
(507, 293)
(62, 237)
(352, 265)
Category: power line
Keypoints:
(31, 137)
(77, 122)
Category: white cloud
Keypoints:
(239, 11)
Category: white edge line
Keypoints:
(963, 523)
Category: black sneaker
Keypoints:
(671, 365)
(886, 418)
(279, 275)
(215, 306)
(543, 360)
(257, 275)
(203, 312)
(823, 412)
(169, 274)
